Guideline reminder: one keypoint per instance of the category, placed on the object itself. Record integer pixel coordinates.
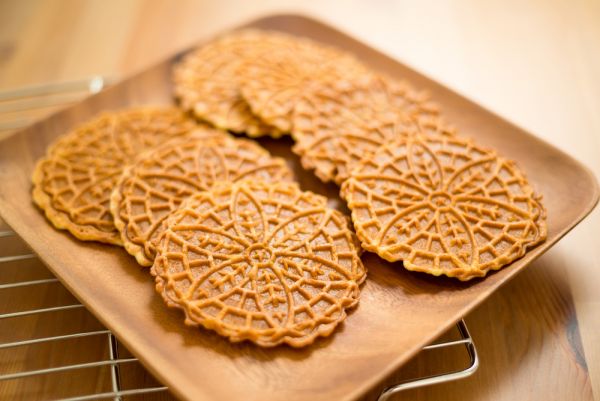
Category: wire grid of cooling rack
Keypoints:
(21, 107)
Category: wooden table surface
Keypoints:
(536, 63)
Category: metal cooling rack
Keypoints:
(19, 108)
(113, 361)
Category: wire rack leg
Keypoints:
(113, 353)
(387, 393)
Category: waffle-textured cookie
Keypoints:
(335, 126)
(262, 262)
(205, 80)
(161, 179)
(73, 183)
(273, 84)
(443, 205)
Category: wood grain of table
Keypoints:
(536, 63)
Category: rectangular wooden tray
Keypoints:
(399, 311)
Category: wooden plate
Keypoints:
(399, 311)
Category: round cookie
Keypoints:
(205, 80)
(73, 182)
(160, 180)
(262, 262)
(336, 126)
(273, 84)
(443, 205)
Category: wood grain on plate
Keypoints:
(399, 311)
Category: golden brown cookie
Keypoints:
(273, 84)
(443, 205)
(262, 262)
(160, 180)
(205, 80)
(73, 183)
(337, 125)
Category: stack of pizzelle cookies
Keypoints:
(232, 240)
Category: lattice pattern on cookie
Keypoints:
(261, 262)
(273, 83)
(205, 80)
(73, 183)
(159, 181)
(444, 205)
(336, 126)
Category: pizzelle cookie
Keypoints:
(273, 83)
(161, 179)
(336, 126)
(73, 183)
(205, 80)
(262, 262)
(443, 205)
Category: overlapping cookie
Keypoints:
(262, 262)
(73, 183)
(160, 180)
(443, 205)
(273, 83)
(336, 126)
(205, 80)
